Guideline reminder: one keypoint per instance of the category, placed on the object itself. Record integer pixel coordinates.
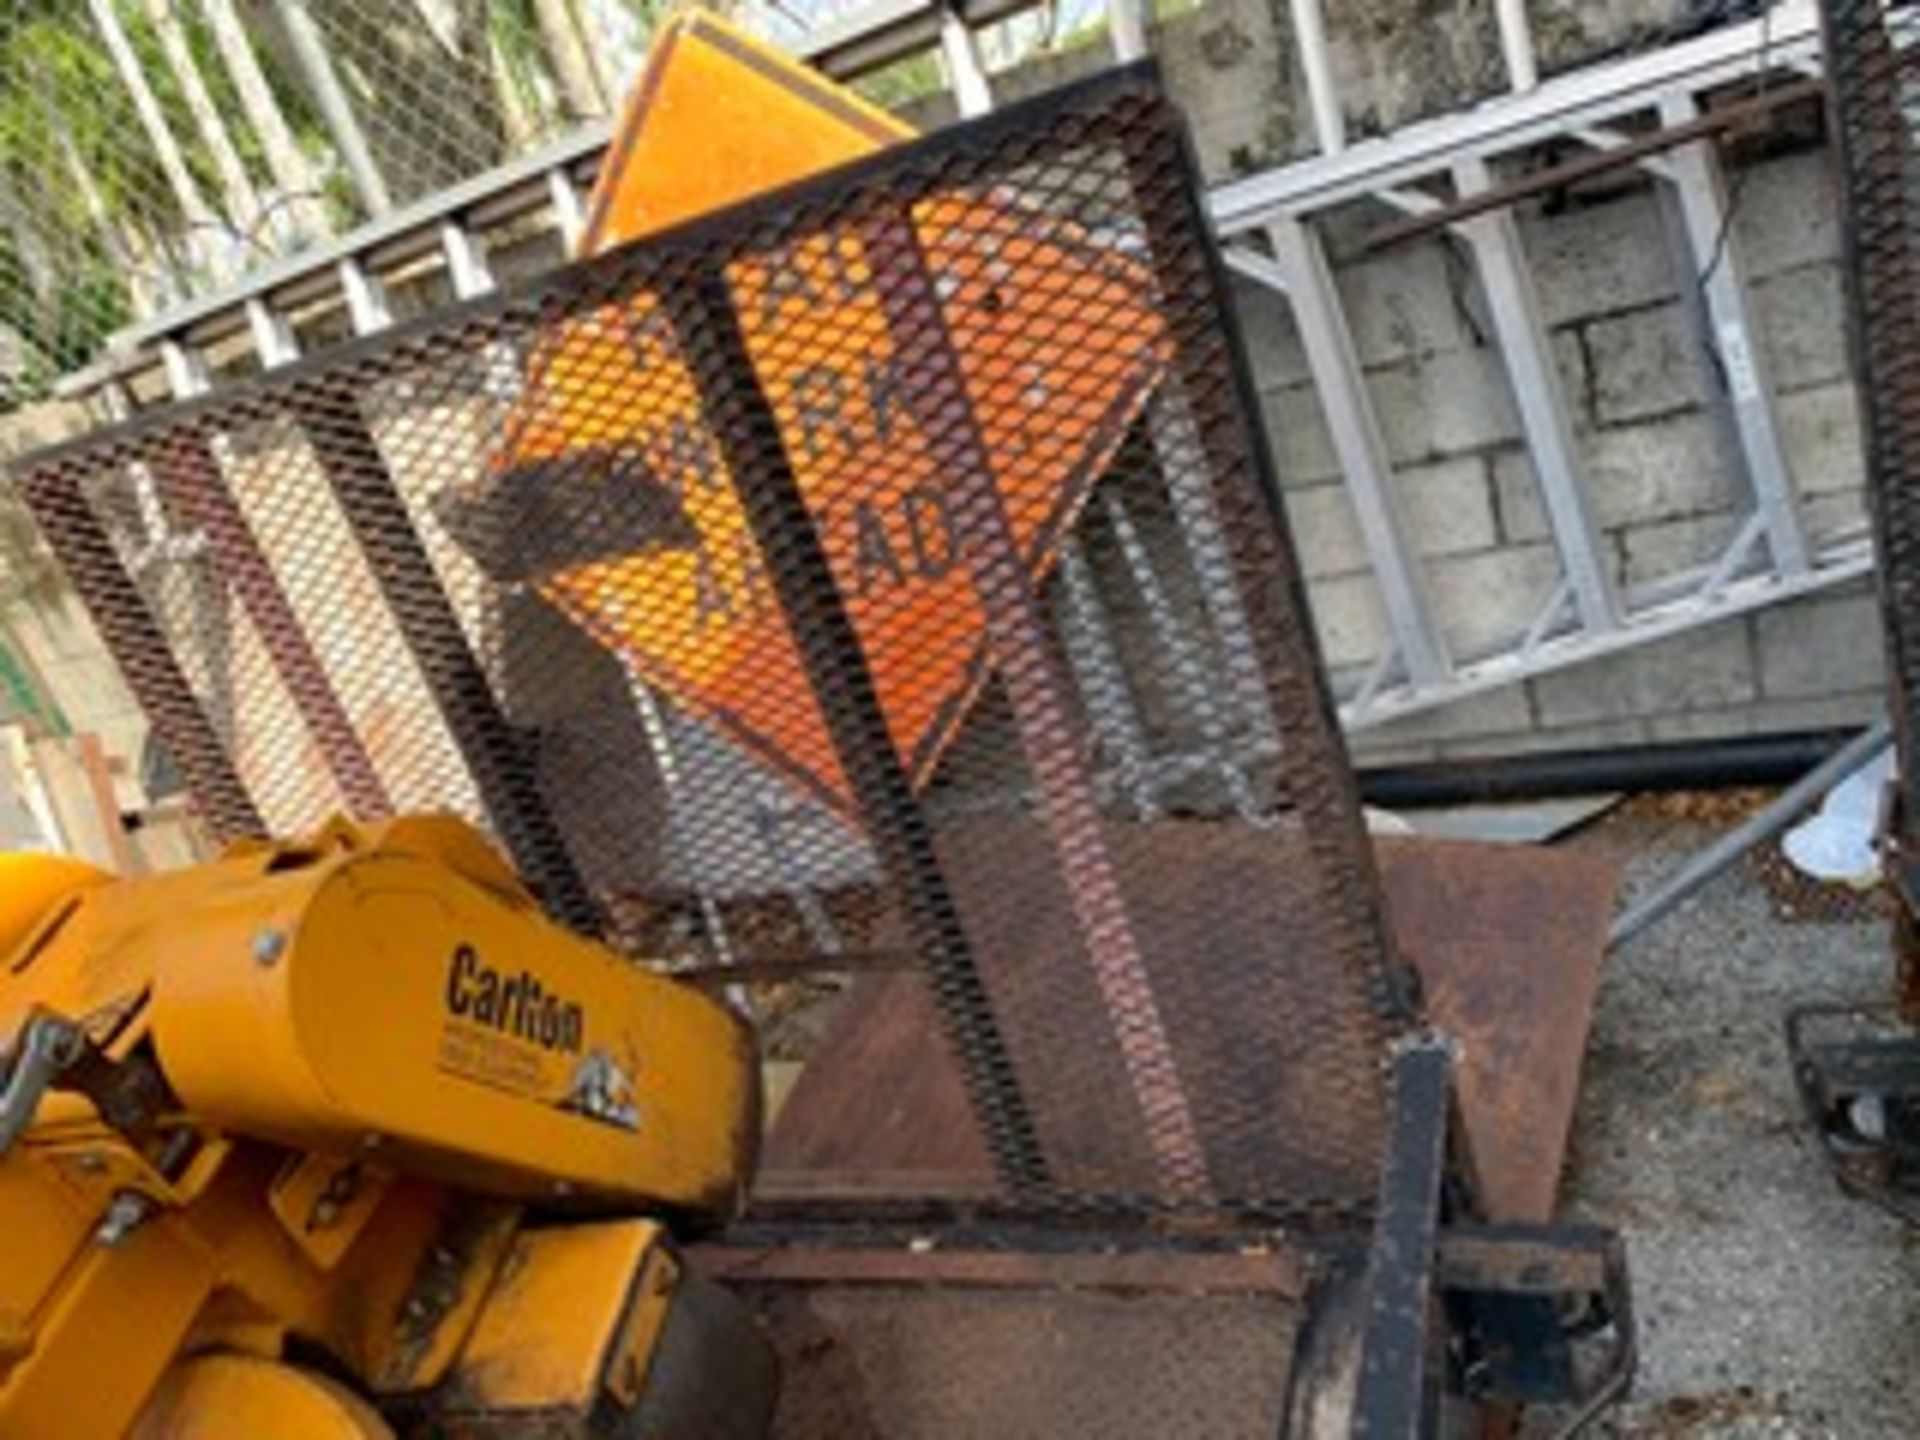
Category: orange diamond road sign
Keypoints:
(717, 117)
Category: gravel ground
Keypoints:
(1770, 1305)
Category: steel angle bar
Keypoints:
(1198, 695)
(1300, 270)
(741, 418)
(1734, 341)
(1177, 444)
(1593, 95)
(1043, 706)
(1394, 1394)
(1086, 633)
(1779, 813)
(1534, 375)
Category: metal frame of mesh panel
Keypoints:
(1858, 1066)
(763, 527)
(1873, 50)
(782, 594)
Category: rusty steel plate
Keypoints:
(1507, 939)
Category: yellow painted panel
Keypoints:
(548, 1329)
(243, 1397)
(111, 1332)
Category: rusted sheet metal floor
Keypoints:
(1508, 941)
(880, 1344)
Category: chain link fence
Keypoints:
(155, 151)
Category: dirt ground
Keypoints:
(1770, 1304)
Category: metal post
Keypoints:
(1534, 375)
(140, 648)
(1127, 28)
(201, 218)
(971, 92)
(1355, 429)
(1700, 191)
(336, 109)
(1323, 98)
(189, 477)
(1391, 1398)
(1764, 824)
(737, 412)
(1516, 44)
(495, 754)
(1044, 711)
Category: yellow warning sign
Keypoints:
(1057, 344)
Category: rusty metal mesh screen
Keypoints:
(860, 1362)
(1873, 50)
(884, 574)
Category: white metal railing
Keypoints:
(1267, 223)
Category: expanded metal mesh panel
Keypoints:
(860, 1362)
(887, 570)
(1873, 50)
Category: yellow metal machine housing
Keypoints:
(354, 1102)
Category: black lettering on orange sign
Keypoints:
(648, 333)
(883, 393)
(728, 588)
(679, 450)
(784, 280)
(819, 396)
(929, 531)
(873, 556)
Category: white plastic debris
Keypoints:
(1836, 842)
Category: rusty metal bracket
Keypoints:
(1526, 1304)
(1489, 1314)
(1857, 1068)
(1397, 1383)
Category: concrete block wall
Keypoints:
(1662, 471)
(1613, 287)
